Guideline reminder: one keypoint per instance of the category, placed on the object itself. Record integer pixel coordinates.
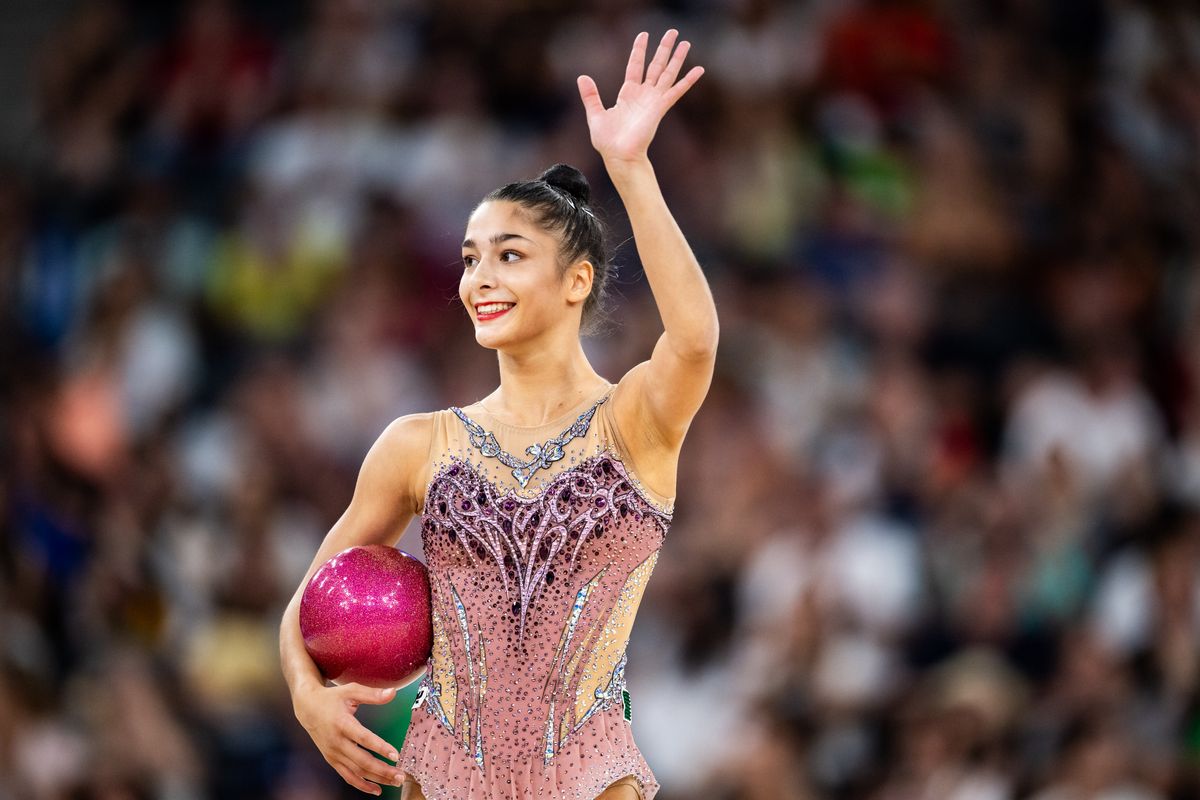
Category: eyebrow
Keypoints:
(497, 239)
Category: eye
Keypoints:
(469, 261)
(505, 255)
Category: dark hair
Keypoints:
(558, 199)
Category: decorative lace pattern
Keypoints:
(543, 454)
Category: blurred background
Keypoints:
(938, 523)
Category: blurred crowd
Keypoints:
(938, 523)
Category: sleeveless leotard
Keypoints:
(537, 572)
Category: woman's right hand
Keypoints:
(327, 713)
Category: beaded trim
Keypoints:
(543, 454)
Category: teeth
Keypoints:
(491, 308)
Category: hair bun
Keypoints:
(568, 179)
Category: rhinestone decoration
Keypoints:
(543, 454)
(535, 588)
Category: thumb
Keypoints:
(369, 694)
(590, 96)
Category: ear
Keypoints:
(579, 281)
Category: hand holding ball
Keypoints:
(365, 617)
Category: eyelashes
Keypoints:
(470, 261)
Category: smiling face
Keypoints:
(510, 260)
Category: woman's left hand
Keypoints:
(624, 132)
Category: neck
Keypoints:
(541, 384)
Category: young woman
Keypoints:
(543, 505)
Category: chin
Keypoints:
(490, 340)
(506, 336)
(488, 345)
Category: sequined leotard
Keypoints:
(537, 572)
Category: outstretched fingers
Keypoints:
(637, 59)
(668, 76)
(661, 56)
(626, 129)
(678, 90)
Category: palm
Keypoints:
(624, 132)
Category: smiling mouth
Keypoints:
(489, 311)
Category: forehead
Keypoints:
(502, 216)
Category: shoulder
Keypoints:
(402, 451)
(402, 430)
(407, 439)
(388, 489)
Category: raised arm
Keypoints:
(666, 391)
(385, 500)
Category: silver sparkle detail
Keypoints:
(543, 454)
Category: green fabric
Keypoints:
(390, 721)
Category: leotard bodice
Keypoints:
(539, 543)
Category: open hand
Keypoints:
(624, 132)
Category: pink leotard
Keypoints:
(537, 573)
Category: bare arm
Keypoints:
(385, 499)
(668, 389)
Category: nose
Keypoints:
(482, 276)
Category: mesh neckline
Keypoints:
(543, 453)
(489, 422)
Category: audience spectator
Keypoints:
(938, 527)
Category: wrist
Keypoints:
(628, 168)
(305, 686)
